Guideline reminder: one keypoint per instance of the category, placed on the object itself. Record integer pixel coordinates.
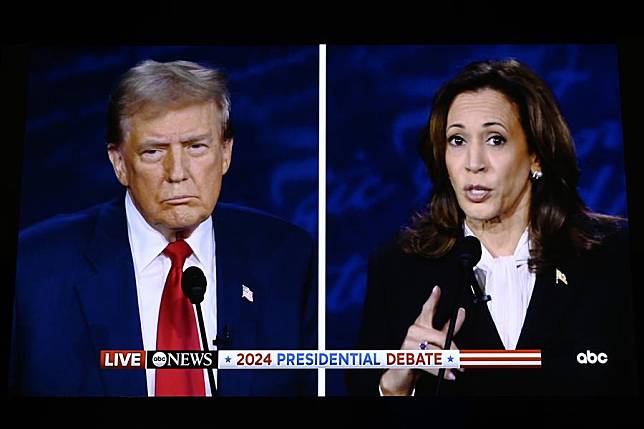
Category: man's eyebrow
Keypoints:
(152, 142)
(196, 138)
(164, 142)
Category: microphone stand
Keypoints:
(466, 278)
(462, 280)
(204, 342)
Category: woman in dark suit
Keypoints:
(504, 169)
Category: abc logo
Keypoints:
(159, 359)
(591, 358)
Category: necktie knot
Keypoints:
(178, 251)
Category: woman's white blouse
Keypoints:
(509, 283)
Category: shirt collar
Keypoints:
(202, 243)
(147, 243)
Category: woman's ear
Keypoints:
(535, 168)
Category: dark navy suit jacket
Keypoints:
(76, 295)
(592, 312)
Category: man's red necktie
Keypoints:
(177, 329)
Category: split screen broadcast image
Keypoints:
(476, 223)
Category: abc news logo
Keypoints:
(591, 358)
(158, 359)
(181, 359)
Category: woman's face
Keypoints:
(487, 157)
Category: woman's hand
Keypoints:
(401, 381)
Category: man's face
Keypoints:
(173, 163)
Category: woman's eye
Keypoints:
(496, 140)
(456, 140)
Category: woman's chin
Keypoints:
(480, 213)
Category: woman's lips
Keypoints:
(477, 193)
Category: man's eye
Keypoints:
(197, 148)
(456, 140)
(151, 154)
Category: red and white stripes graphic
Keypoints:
(500, 358)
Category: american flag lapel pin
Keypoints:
(247, 293)
(560, 277)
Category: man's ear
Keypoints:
(227, 154)
(116, 158)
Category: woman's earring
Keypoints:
(537, 174)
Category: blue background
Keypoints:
(379, 99)
(274, 93)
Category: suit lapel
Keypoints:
(483, 328)
(478, 330)
(235, 313)
(550, 298)
(109, 298)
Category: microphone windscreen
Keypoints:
(193, 284)
(468, 250)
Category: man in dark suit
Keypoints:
(109, 277)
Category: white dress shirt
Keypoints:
(509, 283)
(151, 268)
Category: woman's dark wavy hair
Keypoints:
(560, 222)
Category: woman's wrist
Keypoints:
(397, 382)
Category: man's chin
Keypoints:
(184, 226)
(182, 229)
(183, 217)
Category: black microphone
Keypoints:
(467, 251)
(468, 254)
(193, 285)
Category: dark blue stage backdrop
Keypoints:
(274, 92)
(378, 100)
